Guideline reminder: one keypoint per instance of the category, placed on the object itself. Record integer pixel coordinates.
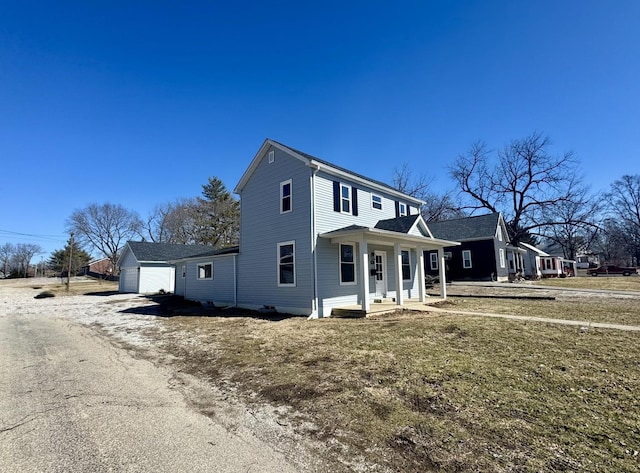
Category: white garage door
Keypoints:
(129, 280)
(156, 278)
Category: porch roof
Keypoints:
(380, 235)
(516, 249)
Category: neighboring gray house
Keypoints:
(145, 267)
(315, 236)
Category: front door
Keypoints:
(380, 273)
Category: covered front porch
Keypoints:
(389, 265)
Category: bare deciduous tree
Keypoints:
(105, 228)
(6, 255)
(624, 209)
(522, 180)
(574, 224)
(437, 206)
(23, 253)
(172, 223)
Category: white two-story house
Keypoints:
(313, 237)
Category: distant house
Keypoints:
(145, 266)
(99, 268)
(314, 237)
(482, 255)
(540, 263)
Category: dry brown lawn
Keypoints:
(416, 392)
(611, 283)
(420, 392)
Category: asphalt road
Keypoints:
(72, 402)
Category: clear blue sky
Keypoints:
(138, 103)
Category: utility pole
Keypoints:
(70, 256)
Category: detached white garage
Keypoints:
(145, 268)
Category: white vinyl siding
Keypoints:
(287, 264)
(262, 227)
(434, 261)
(347, 264)
(466, 259)
(221, 290)
(285, 197)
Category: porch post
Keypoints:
(420, 273)
(364, 274)
(399, 297)
(443, 276)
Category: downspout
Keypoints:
(235, 282)
(315, 311)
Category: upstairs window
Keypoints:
(376, 202)
(287, 264)
(401, 209)
(406, 265)
(345, 199)
(466, 259)
(285, 196)
(434, 261)
(499, 233)
(205, 271)
(347, 264)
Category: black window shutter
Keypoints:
(336, 196)
(397, 209)
(354, 197)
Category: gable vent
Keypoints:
(272, 156)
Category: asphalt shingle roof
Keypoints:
(466, 228)
(400, 224)
(161, 252)
(327, 163)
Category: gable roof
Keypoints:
(400, 224)
(210, 252)
(149, 252)
(534, 249)
(468, 228)
(320, 164)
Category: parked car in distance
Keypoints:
(613, 269)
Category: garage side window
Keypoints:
(205, 271)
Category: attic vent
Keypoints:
(272, 156)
